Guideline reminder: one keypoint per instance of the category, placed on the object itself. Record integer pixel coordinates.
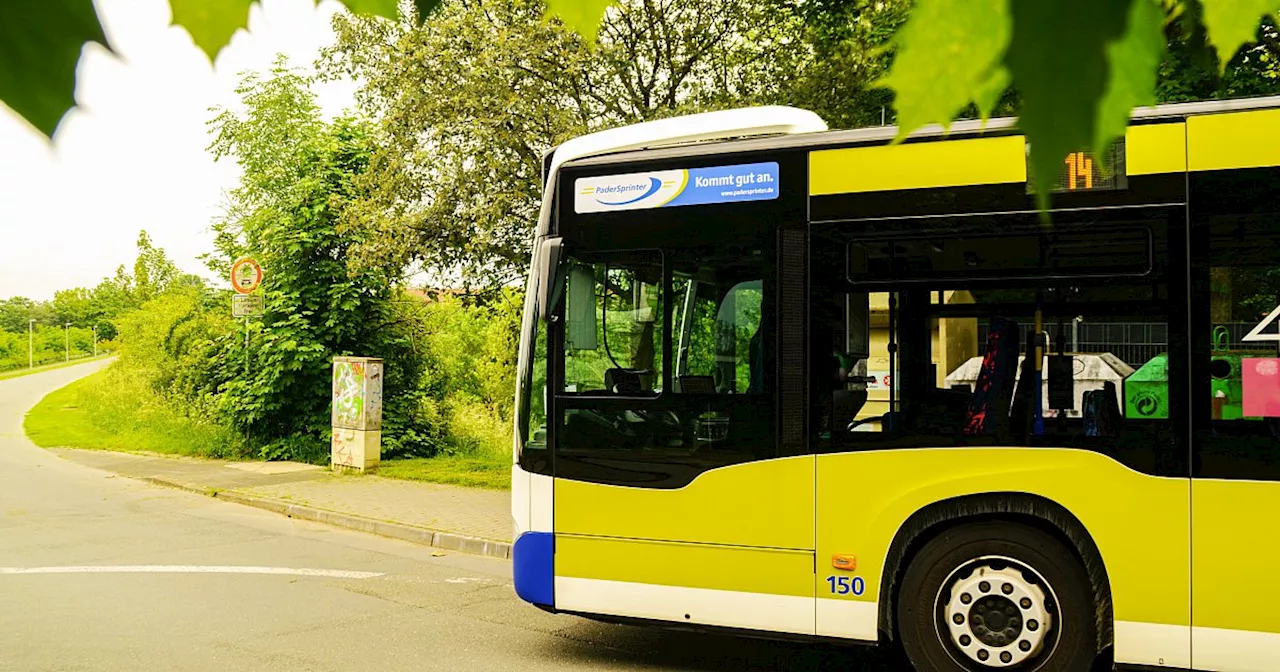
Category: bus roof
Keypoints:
(744, 122)
(723, 132)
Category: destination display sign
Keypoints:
(674, 188)
(1084, 171)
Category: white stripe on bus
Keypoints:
(725, 608)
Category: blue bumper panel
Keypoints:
(533, 567)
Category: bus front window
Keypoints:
(613, 326)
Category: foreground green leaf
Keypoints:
(384, 8)
(211, 22)
(390, 9)
(40, 43)
(1134, 60)
(583, 16)
(1059, 60)
(949, 54)
(1232, 23)
(426, 8)
(988, 94)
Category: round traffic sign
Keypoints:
(246, 275)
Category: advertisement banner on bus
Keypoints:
(673, 188)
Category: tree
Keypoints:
(154, 275)
(75, 306)
(297, 179)
(849, 42)
(112, 297)
(469, 101)
(17, 311)
(1190, 69)
(153, 272)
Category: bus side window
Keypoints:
(613, 328)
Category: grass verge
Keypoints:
(451, 470)
(111, 410)
(17, 373)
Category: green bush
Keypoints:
(168, 338)
(477, 429)
(468, 353)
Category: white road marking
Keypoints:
(190, 569)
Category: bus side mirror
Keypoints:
(580, 327)
(552, 276)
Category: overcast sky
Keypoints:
(132, 156)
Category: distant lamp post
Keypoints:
(31, 341)
(68, 328)
(95, 340)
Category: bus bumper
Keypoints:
(533, 568)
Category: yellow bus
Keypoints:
(781, 380)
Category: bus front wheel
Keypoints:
(996, 596)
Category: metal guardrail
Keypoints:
(1133, 342)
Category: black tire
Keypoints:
(927, 644)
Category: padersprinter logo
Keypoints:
(671, 188)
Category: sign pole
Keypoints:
(246, 278)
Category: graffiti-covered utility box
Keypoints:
(357, 412)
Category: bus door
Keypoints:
(673, 498)
(1235, 214)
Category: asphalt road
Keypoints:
(99, 572)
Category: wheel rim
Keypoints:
(996, 613)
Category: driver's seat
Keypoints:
(624, 381)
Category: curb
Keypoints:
(401, 531)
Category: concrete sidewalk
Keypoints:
(464, 519)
